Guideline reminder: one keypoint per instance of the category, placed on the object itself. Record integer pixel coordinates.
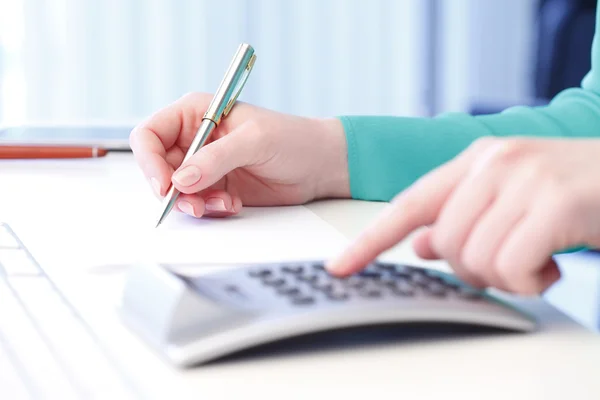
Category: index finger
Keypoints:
(176, 123)
(418, 206)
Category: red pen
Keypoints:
(39, 152)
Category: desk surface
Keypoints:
(561, 361)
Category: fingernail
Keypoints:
(187, 208)
(215, 204)
(187, 176)
(155, 186)
(333, 266)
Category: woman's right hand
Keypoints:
(255, 157)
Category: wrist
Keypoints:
(331, 175)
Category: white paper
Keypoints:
(108, 220)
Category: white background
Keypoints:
(124, 59)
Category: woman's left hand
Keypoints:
(497, 213)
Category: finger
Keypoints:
(463, 208)
(150, 140)
(549, 275)
(174, 158)
(242, 147)
(422, 245)
(526, 250)
(485, 240)
(191, 204)
(416, 207)
(211, 203)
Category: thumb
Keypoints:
(240, 147)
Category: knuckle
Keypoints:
(507, 152)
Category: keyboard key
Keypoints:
(17, 262)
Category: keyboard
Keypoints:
(46, 349)
(193, 318)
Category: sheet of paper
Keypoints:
(101, 218)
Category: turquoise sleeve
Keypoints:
(386, 154)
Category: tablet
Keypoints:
(109, 137)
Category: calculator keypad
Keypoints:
(302, 284)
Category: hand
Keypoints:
(255, 157)
(496, 213)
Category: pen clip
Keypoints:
(240, 85)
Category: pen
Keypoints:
(222, 103)
(40, 152)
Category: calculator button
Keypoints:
(337, 295)
(355, 282)
(275, 282)
(303, 300)
(403, 290)
(436, 290)
(308, 278)
(420, 279)
(318, 267)
(369, 274)
(321, 285)
(385, 266)
(370, 293)
(401, 273)
(436, 278)
(288, 291)
(260, 273)
(293, 269)
(388, 281)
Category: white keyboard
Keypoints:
(46, 350)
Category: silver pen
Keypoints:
(222, 103)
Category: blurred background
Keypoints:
(121, 60)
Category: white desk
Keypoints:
(561, 361)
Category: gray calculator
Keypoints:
(191, 319)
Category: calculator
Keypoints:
(194, 318)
